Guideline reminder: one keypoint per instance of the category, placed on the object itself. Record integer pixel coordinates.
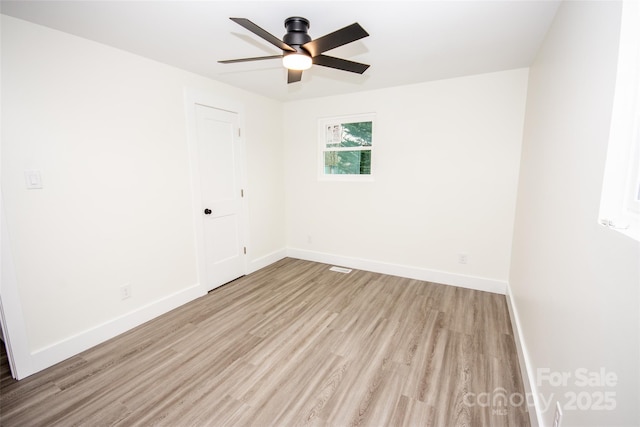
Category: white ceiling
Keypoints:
(409, 42)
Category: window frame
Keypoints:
(325, 122)
(631, 205)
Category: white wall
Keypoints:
(107, 131)
(446, 166)
(573, 283)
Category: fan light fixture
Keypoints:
(297, 61)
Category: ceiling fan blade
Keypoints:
(257, 58)
(340, 64)
(294, 76)
(263, 34)
(340, 37)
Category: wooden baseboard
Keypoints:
(266, 260)
(418, 273)
(57, 352)
(526, 370)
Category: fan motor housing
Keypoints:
(297, 28)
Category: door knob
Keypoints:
(207, 211)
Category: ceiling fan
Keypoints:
(299, 52)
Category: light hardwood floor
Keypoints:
(293, 344)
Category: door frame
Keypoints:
(193, 97)
(14, 328)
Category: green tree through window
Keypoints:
(347, 147)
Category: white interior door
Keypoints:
(219, 165)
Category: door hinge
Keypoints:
(245, 250)
(241, 192)
(239, 133)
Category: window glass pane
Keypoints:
(349, 135)
(347, 162)
(346, 147)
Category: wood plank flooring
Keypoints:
(293, 344)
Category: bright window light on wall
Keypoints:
(620, 199)
(297, 61)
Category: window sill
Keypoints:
(345, 178)
(630, 228)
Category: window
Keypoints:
(620, 200)
(346, 147)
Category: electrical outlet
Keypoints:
(463, 258)
(125, 291)
(557, 418)
(309, 240)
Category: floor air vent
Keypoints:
(340, 269)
